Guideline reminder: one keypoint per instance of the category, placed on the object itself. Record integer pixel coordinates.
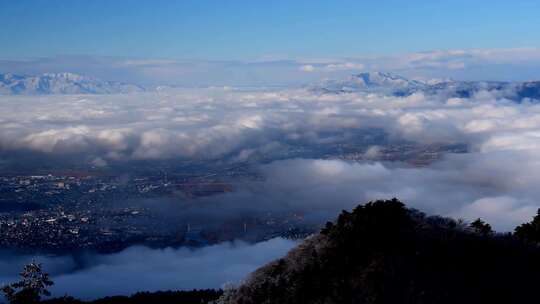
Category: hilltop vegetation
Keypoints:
(382, 252)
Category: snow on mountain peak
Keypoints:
(61, 83)
(391, 84)
(380, 82)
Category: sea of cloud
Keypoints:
(497, 180)
(211, 123)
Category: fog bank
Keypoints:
(143, 269)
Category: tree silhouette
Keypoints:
(30, 288)
(529, 232)
(481, 227)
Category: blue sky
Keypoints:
(277, 42)
(239, 30)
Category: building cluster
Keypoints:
(416, 155)
(61, 228)
(65, 213)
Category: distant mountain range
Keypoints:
(391, 84)
(373, 82)
(61, 83)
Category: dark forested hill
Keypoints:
(383, 252)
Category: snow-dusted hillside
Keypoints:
(377, 82)
(391, 84)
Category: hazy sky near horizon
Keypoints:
(279, 42)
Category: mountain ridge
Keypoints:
(395, 85)
(61, 83)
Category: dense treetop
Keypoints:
(382, 252)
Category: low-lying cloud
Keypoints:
(496, 179)
(144, 269)
(222, 122)
(499, 187)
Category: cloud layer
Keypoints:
(498, 187)
(497, 179)
(218, 122)
(144, 269)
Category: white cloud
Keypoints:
(135, 269)
(70, 139)
(500, 187)
(307, 68)
(347, 66)
(504, 211)
(216, 122)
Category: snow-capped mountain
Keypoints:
(390, 84)
(61, 83)
(376, 82)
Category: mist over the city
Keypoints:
(137, 268)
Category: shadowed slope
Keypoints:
(384, 253)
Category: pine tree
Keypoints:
(481, 227)
(529, 232)
(33, 284)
